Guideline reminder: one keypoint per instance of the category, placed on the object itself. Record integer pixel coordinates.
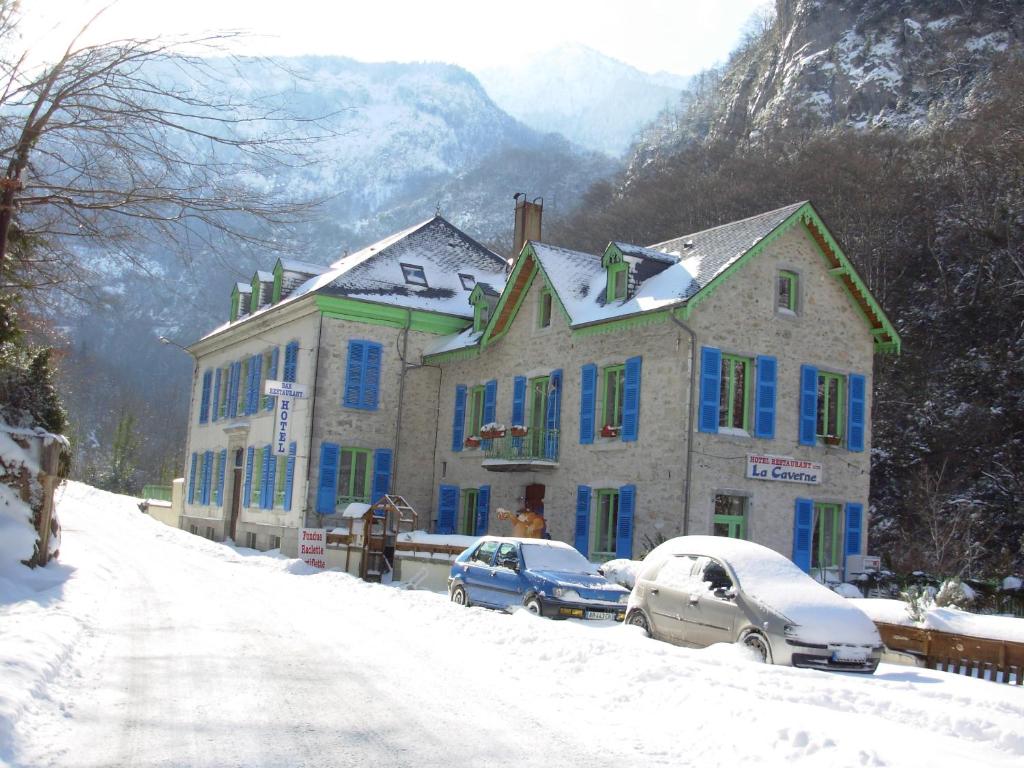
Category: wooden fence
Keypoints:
(1000, 661)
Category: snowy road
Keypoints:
(174, 651)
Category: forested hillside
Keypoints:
(925, 191)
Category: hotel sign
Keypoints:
(286, 392)
(783, 469)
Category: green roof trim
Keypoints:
(466, 353)
(389, 316)
(622, 323)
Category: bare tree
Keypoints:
(132, 141)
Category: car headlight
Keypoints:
(565, 593)
(790, 630)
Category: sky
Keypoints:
(678, 36)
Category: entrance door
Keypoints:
(538, 416)
(534, 500)
(236, 493)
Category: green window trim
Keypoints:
(730, 517)
(243, 379)
(612, 385)
(480, 316)
(466, 525)
(222, 395)
(831, 402)
(254, 298)
(736, 385)
(536, 414)
(235, 299)
(279, 481)
(545, 304)
(258, 460)
(827, 537)
(617, 288)
(265, 400)
(278, 280)
(604, 524)
(475, 410)
(353, 488)
(786, 289)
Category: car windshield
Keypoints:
(541, 557)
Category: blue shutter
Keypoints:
(519, 400)
(381, 473)
(490, 407)
(554, 415)
(858, 399)
(447, 506)
(220, 476)
(250, 456)
(459, 417)
(370, 379)
(327, 487)
(192, 480)
(764, 410)
(588, 402)
(216, 396)
(808, 405)
(289, 478)
(624, 529)
(255, 374)
(291, 361)
(483, 508)
(710, 388)
(233, 373)
(854, 527)
(631, 402)
(204, 400)
(272, 376)
(353, 374)
(803, 522)
(582, 540)
(269, 475)
(207, 477)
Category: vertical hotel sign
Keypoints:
(286, 392)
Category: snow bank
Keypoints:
(17, 534)
(946, 620)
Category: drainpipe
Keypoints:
(401, 393)
(312, 414)
(689, 427)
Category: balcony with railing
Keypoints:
(537, 449)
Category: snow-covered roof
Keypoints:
(302, 267)
(642, 252)
(243, 287)
(264, 277)
(461, 340)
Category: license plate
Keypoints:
(857, 656)
(599, 615)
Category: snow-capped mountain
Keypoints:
(593, 100)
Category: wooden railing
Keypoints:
(1000, 661)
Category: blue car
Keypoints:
(548, 578)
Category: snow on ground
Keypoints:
(946, 620)
(151, 647)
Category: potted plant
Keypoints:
(491, 431)
(518, 430)
(832, 440)
(610, 430)
(473, 441)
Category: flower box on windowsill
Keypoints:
(520, 431)
(472, 442)
(491, 434)
(609, 431)
(832, 440)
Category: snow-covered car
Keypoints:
(701, 590)
(548, 578)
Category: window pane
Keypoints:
(739, 394)
(545, 309)
(620, 283)
(723, 394)
(822, 405)
(833, 406)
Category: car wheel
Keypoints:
(759, 645)
(533, 606)
(459, 596)
(637, 619)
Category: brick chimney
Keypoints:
(528, 216)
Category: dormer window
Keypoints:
(482, 299)
(618, 281)
(481, 314)
(468, 282)
(414, 274)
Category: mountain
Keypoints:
(405, 140)
(593, 100)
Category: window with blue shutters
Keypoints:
(808, 404)
(204, 400)
(483, 508)
(447, 508)
(803, 522)
(267, 487)
(289, 478)
(764, 410)
(490, 407)
(362, 375)
(215, 406)
(207, 476)
(581, 539)
(588, 402)
(631, 401)
(232, 399)
(192, 479)
(519, 401)
(221, 470)
(459, 417)
(327, 486)
(250, 456)
(291, 361)
(858, 412)
(272, 360)
(553, 422)
(854, 528)
(624, 524)
(381, 474)
(710, 388)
